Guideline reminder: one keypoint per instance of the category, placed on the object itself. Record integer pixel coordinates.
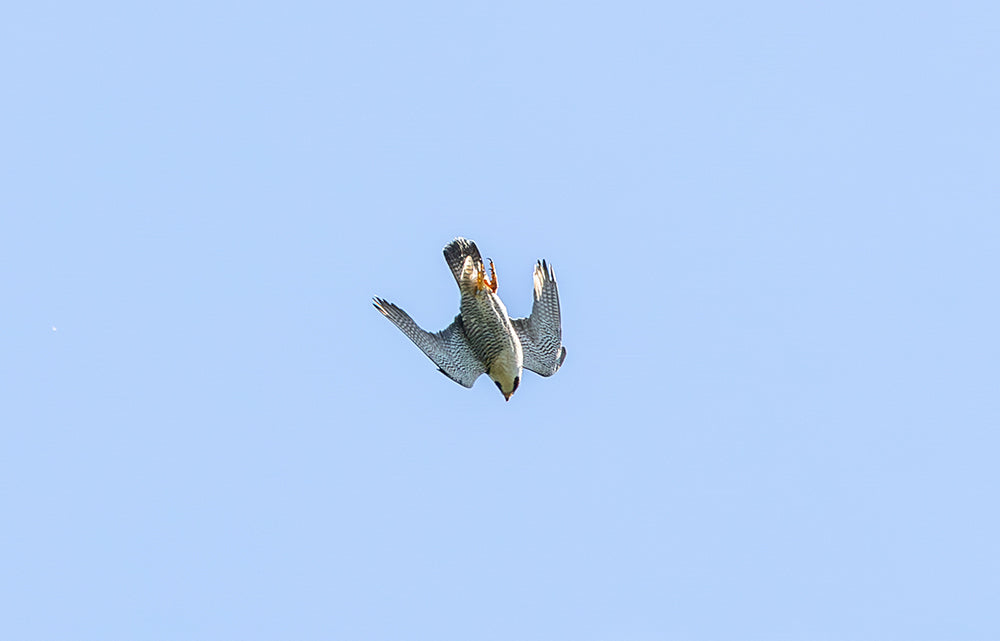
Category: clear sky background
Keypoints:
(775, 227)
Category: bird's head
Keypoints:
(506, 372)
(507, 387)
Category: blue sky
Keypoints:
(775, 228)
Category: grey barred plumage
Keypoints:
(541, 333)
(483, 339)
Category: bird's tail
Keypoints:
(455, 253)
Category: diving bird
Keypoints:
(483, 338)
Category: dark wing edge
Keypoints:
(448, 349)
(541, 333)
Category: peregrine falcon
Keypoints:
(483, 339)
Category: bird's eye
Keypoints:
(517, 381)
(499, 387)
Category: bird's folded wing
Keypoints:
(448, 348)
(541, 333)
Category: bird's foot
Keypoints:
(482, 282)
(493, 277)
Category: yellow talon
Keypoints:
(493, 277)
(481, 281)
